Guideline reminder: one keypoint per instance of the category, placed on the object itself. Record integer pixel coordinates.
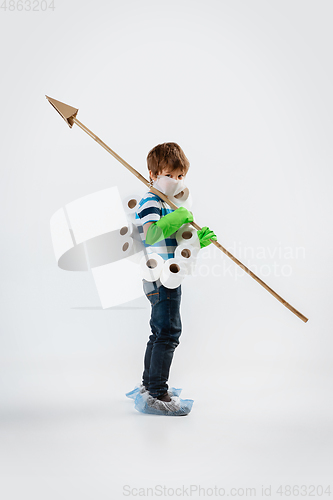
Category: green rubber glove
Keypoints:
(167, 225)
(205, 234)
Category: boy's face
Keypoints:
(175, 174)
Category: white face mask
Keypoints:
(168, 186)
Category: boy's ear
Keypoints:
(151, 175)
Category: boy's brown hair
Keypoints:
(168, 154)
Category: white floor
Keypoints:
(74, 435)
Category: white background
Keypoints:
(245, 87)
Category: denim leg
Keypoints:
(166, 329)
(146, 362)
(151, 290)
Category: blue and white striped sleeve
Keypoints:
(149, 210)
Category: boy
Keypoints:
(168, 166)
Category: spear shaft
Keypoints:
(69, 113)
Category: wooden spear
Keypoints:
(68, 113)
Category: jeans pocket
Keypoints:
(151, 291)
(153, 297)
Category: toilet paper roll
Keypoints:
(188, 255)
(183, 195)
(188, 234)
(132, 230)
(126, 247)
(151, 266)
(173, 273)
(130, 203)
(127, 229)
(183, 199)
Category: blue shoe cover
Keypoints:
(133, 394)
(145, 403)
(140, 388)
(174, 392)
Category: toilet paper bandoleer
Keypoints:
(167, 166)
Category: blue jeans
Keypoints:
(166, 327)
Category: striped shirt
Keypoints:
(150, 209)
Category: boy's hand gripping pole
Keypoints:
(68, 113)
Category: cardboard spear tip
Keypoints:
(65, 111)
